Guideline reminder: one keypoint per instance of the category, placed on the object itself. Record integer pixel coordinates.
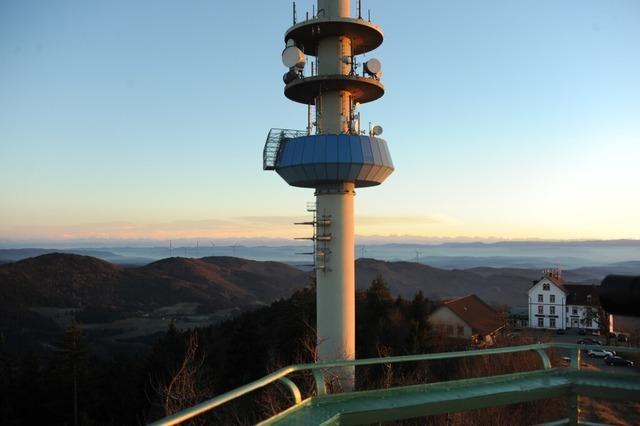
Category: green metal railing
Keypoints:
(273, 145)
(570, 379)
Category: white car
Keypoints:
(600, 353)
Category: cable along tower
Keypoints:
(333, 155)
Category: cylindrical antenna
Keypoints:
(313, 11)
(294, 13)
(369, 14)
(359, 4)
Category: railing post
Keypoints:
(576, 356)
(546, 363)
(318, 376)
(295, 391)
(574, 408)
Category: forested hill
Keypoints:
(494, 285)
(73, 281)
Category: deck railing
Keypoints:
(575, 382)
(273, 145)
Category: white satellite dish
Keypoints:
(373, 67)
(292, 57)
(377, 130)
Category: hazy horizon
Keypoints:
(505, 120)
(276, 242)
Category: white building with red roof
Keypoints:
(555, 304)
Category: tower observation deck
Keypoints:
(334, 156)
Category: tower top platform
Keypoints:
(364, 35)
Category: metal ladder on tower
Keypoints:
(317, 253)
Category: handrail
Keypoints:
(316, 371)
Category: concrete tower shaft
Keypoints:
(334, 8)
(335, 160)
(335, 106)
(335, 282)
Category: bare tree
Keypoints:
(600, 317)
(183, 390)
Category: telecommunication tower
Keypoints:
(333, 154)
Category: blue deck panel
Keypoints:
(332, 157)
(311, 161)
(320, 156)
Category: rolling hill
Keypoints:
(494, 285)
(74, 281)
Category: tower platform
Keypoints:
(306, 89)
(364, 35)
(310, 161)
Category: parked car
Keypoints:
(622, 337)
(618, 360)
(582, 332)
(595, 332)
(589, 341)
(561, 331)
(613, 334)
(600, 353)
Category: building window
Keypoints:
(589, 323)
(552, 323)
(574, 311)
(540, 309)
(552, 310)
(540, 322)
(545, 286)
(552, 298)
(460, 330)
(450, 330)
(588, 298)
(540, 298)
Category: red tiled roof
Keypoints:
(477, 314)
(557, 281)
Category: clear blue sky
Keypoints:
(129, 119)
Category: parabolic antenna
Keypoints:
(377, 130)
(293, 57)
(373, 66)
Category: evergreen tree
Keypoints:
(75, 352)
(379, 300)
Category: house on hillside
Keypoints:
(468, 318)
(518, 317)
(556, 304)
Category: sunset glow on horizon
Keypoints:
(119, 121)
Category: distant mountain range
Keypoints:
(506, 254)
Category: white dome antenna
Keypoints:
(293, 57)
(373, 67)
